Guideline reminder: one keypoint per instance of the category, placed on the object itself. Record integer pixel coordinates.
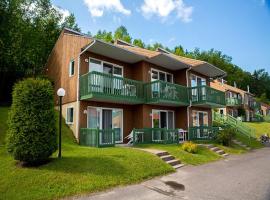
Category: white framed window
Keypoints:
(197, 80)
(71, 68)
(105, 67)
(70, 115)
(161, 75)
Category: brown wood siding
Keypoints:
(67, 47)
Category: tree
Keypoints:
(70, 22)
(121, 33)
(179, 51)
(139, 43)
(31, 136)
(28, 32)
(105, 36)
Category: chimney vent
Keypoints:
(234, 84)
(248, 89)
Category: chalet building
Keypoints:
(114, 89)
(237, 101)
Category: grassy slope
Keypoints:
(260, 128)
(253, 143)
(233, 149)
(203, 155)
(81, 170)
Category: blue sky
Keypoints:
(239, 28)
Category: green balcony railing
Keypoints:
(105, 86)
(155, 135)
(233, 102)
(202, 132)
(255, 105)
(205, 95)
(95, 137)
(161, 92)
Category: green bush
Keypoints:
(190, 147)
(31, 135)
(266, 118)
(225, 136)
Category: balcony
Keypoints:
(233, 102)
(155, 135)
(95, 137)
(202, 132)
(255, 105)
(164, 93)
(207, 97)
(108, 88)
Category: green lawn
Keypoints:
(3, 124)
(81, 170)
(233, 149)
(203, 156)
(260, 128)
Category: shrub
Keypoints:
(190, 147)
(225, 136)
(266, 118)
(31, 136)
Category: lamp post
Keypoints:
(61, 93)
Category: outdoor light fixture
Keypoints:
(61, 93)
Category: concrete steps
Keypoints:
(215, 149)
(169, 159)
(241, 144)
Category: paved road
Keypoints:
(243, 177)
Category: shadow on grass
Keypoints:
(85, 165)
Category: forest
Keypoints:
(30, 28)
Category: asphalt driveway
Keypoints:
(242, 177)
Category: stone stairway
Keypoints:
(169, 159)
(241, 144)
(215, 149)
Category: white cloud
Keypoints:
(172, 39)
(165, 8)
(97, 7)
(64, 12)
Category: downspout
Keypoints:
(190, 102)
(78, 100)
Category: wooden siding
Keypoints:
(67, 47)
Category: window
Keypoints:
(70, 114)
(160, 75)
(71, 68)
(95, 65)
(105, 67)
(197, 81)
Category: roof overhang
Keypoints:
(112, 51)
(168, 61)
(209, 70)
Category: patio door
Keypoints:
(200, 119)
(104, 83)
(161, 119)
(197, 81)
(162, 76)
(106, 119)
